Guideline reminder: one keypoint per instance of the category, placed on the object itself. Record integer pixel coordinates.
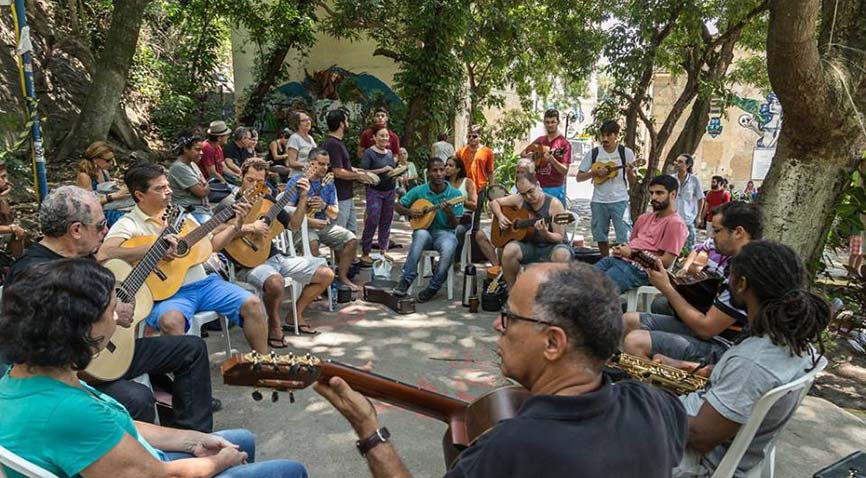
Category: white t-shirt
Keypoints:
(299, 144)
(613, 190)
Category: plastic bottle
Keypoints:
(333, 295)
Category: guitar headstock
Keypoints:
(562, 219)
(280, 372)
(639, 163)
(255, 193)
(174, 218)
(328, 179)
(456, 201)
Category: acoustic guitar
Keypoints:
(698, 289)
(537, 151)
(612, 169)
(466, 421)
(522, 224)
(428, 210)
(168, 276)
(114, 360)
(250, 251)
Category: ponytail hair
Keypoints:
(790, 315)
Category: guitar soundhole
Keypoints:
(111, 347)
(182, 248)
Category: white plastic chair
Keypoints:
(20, 465)
(573, 226)
(425, 266)
(202, 318)
(633, 298)
(743, 439)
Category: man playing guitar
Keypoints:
(270, 277)
(547, 244)
(323, 226)
(73, 224)
(200, 292)
(439, 236)
(552, 170)
(678, 330)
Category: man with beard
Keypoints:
(677, 329)
(560, 327)
(716, 196)
(551, 170)
(660, 232)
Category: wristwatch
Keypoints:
(381, 436)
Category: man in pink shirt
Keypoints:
(551, 169)
(661, 232)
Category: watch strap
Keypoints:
(381, 436)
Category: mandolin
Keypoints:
(698, 289)
(537, 151)
(612, 168)
(168, 276)
(250, 251)
(466, 421)
(522, 224)
(428, 209)
(114, 360)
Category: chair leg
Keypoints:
(450, 283)
(224, 321)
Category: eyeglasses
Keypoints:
(99, 225)
(507, 316)
(473, 136)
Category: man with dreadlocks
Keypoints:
(784, 320)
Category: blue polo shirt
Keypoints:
(423, 191)
(328, 193)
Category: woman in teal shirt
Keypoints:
(55, 317)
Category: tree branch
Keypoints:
(739, 25)
(388, 53)
(640, 112)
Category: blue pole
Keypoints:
(25, 67)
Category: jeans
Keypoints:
(247, 443)
(690, 241)
(380, 213)
(181, 355)
(559, 193)
(605, 213)
(626, 275)
(346, 218)
(443, 241)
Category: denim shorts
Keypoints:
(533, 252)
(209, 294)
(605, 213)
(673, 338)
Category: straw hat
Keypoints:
(218, 128)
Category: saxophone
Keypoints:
(678, 381)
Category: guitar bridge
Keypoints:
(160, 274)
(252, 245)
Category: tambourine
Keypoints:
(367, 177)
(398, 171)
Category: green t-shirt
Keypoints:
(61, 428)
(423, 192)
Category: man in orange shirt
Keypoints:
(478, 159)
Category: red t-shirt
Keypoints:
(549, 177)
(367, 141)
(658, 234)
(716, 198)
(211, 155)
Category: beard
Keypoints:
(659, 206)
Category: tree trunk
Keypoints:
(412, 128)
(126, 132)
(272, 64)
(109, 79)
(693, 131)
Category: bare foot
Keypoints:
(351, 285)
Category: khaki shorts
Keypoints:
(332, 235)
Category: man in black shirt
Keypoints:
(236, 153)
(74, 225)
(576, 423)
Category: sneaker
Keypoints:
(401, 290)
(425, 295)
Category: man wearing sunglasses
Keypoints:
(73, 225)
(547, 241)
(555, 344)
(478, 159)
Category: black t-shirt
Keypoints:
(35, 254)
(238, 155)
(626, 429)
(340, 159)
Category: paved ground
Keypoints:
(443, 348)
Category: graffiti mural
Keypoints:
(325, 90)
(765, 119)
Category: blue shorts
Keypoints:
(558, 192)
(209, 294)
(605, 213)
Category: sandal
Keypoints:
(303, 329)
(365, 264)
(277, 342)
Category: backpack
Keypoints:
(619, 149)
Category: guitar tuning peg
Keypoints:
(274, 396)
(291, 397)
(257, 367)
(295, 368)
(257, 395)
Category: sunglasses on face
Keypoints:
(473, 136)
(506, 316)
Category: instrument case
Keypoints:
(379, 291)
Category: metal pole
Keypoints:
(25, 68)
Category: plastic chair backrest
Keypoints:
(744, 437)
(20, 465)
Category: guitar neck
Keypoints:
(129, 287)
(403, 395)
(202, 231)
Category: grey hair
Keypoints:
(526, 163)
(64, 206)
(585, 303)
(242, 132)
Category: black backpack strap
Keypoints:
(621, 150)
(594, 154)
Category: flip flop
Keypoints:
(278, 342)
(303, 329)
